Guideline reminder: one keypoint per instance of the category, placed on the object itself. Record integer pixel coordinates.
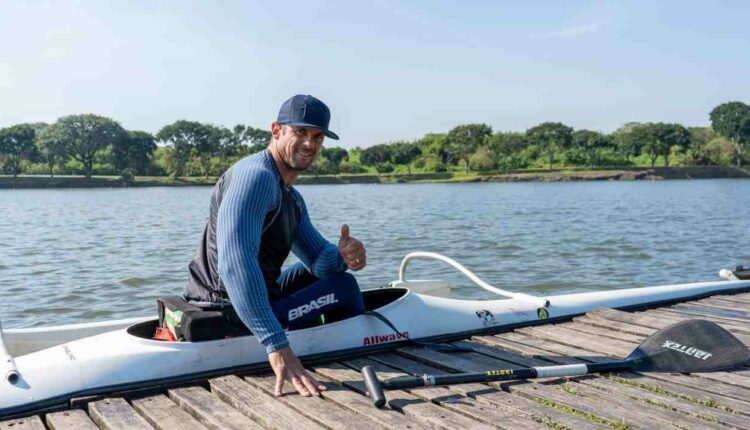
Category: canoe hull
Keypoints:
(118, 360)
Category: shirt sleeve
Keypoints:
(321, 257)
(251, 194)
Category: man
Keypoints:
(256, 219)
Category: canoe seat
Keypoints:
(191, 323)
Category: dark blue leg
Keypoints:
(337, 297)
(295, 278)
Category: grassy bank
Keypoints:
(531, 175)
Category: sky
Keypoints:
(388, 70)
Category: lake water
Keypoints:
(82, 255)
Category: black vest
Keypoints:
(279, 227)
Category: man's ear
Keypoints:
(275, 130)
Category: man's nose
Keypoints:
(310, 141)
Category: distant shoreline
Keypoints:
(558, 175)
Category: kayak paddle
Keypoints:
(685, 347)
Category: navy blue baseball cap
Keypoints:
(306, 111)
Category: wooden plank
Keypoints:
(485, 394)
(597, 321)
(256, 404)
(726, 304)
(616, 401)
(577, 339)
(465, 364)
(335, 375)
(209, 410)
(739, 298)
(626, 410)
(26, 423)
(542, 349)
(698, 391)
(164, 414)
(116, 413)
(75, 419)
(597, 408)
(696, 411)
(738, 328)
(500, 354)
(623, 347)
(450, 409)
(319, 409)
(638, 318)
(706, 311)
(605, 333)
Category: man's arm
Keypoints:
(249, 197)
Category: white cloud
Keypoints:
(572, 31)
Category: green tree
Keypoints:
(551, 137)
(377, 156)
(227, 147)
(508, 149)
(463, 140)
(626, 141)
(184, 137)
(659, 138)
(134, 152)
(405, 153)
(335, 156)
(254, 139)
(438, 144)
(86, 135)
(505, 144)
(732, 120)
(16, 145)
(483, 159)
(50, 147)
(672, 136)
(590, 145)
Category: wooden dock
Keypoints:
(620, 401)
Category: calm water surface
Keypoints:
(82, 255)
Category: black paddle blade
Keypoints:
(688, 347)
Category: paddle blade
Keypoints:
(688, 347)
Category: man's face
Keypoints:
(298, 146)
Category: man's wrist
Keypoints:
(276, 342)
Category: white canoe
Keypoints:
(127, 359)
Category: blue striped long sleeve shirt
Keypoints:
(252, 193)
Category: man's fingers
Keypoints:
(344, 232)
(351, 247)
(311, 384)
(279, 385)
(300, 386)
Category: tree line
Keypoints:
(88, 144)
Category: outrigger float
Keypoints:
(47, 368)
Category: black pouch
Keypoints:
(191, 323)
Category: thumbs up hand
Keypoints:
(352, 250)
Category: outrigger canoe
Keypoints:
(60, 364)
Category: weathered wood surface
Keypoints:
(624, 400)
(75, 419)
(164, 414)
(115, 414)
(258, 405)
(210, 410)
(28, 423)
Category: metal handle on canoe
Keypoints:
(469, 274)
(7, 365)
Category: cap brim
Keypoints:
(329, 134)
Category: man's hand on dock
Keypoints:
(287, 367)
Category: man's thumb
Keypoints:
(344, 231)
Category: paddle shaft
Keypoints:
(375, 387)
(503, 375)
